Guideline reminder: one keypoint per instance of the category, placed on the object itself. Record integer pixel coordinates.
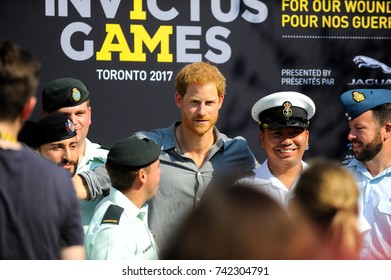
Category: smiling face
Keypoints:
(199, 107)
(284, 146)
(365, 134)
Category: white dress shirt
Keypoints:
(125, 237)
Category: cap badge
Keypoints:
(358, 96)
(70, 126)
(76, 95)
(287, 111)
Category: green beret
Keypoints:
(52, 128)
(63, 92)
(134, 153)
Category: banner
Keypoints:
(128, 53)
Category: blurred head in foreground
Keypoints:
(233, 222)
(325, 211)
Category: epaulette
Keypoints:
(347, 159)
(103, 147)
(348, 155)
(112, 215)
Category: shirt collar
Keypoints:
(130, 208)
(169, 142)
(264, 172)
(359, 167)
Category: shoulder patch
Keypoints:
(112, 215)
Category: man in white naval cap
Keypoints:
(283, 118)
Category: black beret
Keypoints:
(52, 128)
(28, 133)
(63, 92)
(134, 153)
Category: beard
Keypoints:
(369, 150)
(74, 163)
(198, 129)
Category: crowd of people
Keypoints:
(187, 191)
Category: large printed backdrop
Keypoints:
(128, 53)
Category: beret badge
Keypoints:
(358, 96)
(76, 94)
(287, 111)
(70, 126)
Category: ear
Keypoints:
(261, 136)
(221, 100)
(308, 136)
(142, 176)
(28, 108)
(387, 131)
(178, 100)
(90, 110)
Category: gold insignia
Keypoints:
(76, 95)
(358, 96)
(107, 221)
(287, 111)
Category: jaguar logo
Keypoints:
(367, 62)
